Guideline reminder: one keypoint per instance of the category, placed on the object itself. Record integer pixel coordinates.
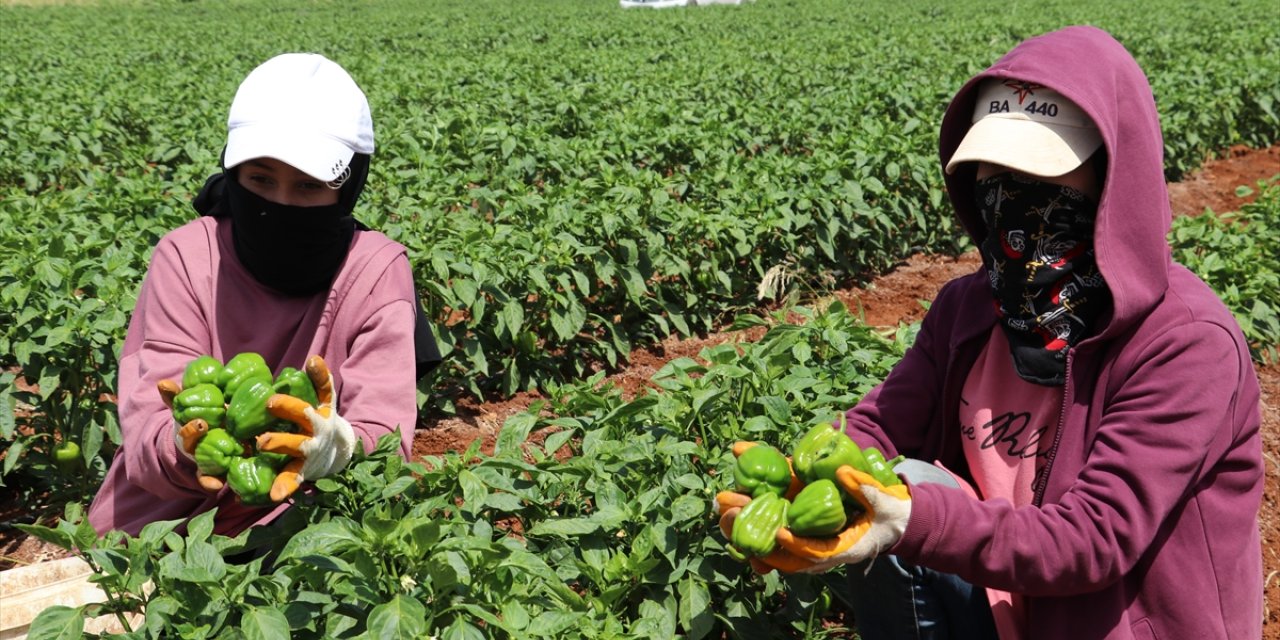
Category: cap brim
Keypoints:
(1028, 146)
(318, 156)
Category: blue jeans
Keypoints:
(894, 600)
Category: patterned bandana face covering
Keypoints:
(1039, 257)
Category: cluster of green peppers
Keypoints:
(819, 509)
(232, 400)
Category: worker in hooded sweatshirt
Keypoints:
(1081, 415)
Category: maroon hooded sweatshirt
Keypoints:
(1145, 523)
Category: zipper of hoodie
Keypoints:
(1042, 478)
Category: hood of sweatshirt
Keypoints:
(1094, 71)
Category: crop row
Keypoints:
(590, 518)
(570, 181)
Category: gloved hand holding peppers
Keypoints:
(220, 411)
(804, 523)
(326, 440)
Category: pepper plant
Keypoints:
(569, 183)
(590, 519)
(1238, 255)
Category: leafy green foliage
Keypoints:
(590, 519)
(570, 182)
(576, 180)
(64, 310)
(1238, 255)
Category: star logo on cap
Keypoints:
(1023, 89)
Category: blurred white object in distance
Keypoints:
(667, 4)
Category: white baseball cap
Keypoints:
(302, 109)
(1028, 127)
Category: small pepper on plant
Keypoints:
(67, 456)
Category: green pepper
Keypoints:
(762, 469)
(879, 468)
(240, 370)
(216, 451)
(204, 369)
(755, 527)
(203, 401)
(67, 457)
(247, 414)
(823, 603)
(823, 450)
(276, 460)
(817, 510)
(296, 383)
(251, 479)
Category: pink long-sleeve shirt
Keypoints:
(198, 299)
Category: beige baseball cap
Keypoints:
(1028, 127)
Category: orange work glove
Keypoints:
(326, 440)
(728, 504)
(887, 510)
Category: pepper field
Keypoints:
(572, 181)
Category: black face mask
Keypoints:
(1039, 257)
(272, 251)
(294, 250)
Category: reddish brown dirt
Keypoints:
(893, 298)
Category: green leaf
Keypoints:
(111, 561)
(703, 397)
(402, 617)
(474, 490)
(688, 507)
(466, 290)
(12, 456)
(333, 537)
(516, 615)
(265, 623)
(553, 624)
(630, 409)
(8, 407)
(462, 630)
(154, 533)
(778, 409)
(657, 619)
(513, 314)
(52, 536)
(58, 622)
(557, 440)
(568, 527)
(504, 502)
(201, 563)
(514, 433)
(201, 526)
(696, 614)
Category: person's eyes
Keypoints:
(311, 186)
(261, 179)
